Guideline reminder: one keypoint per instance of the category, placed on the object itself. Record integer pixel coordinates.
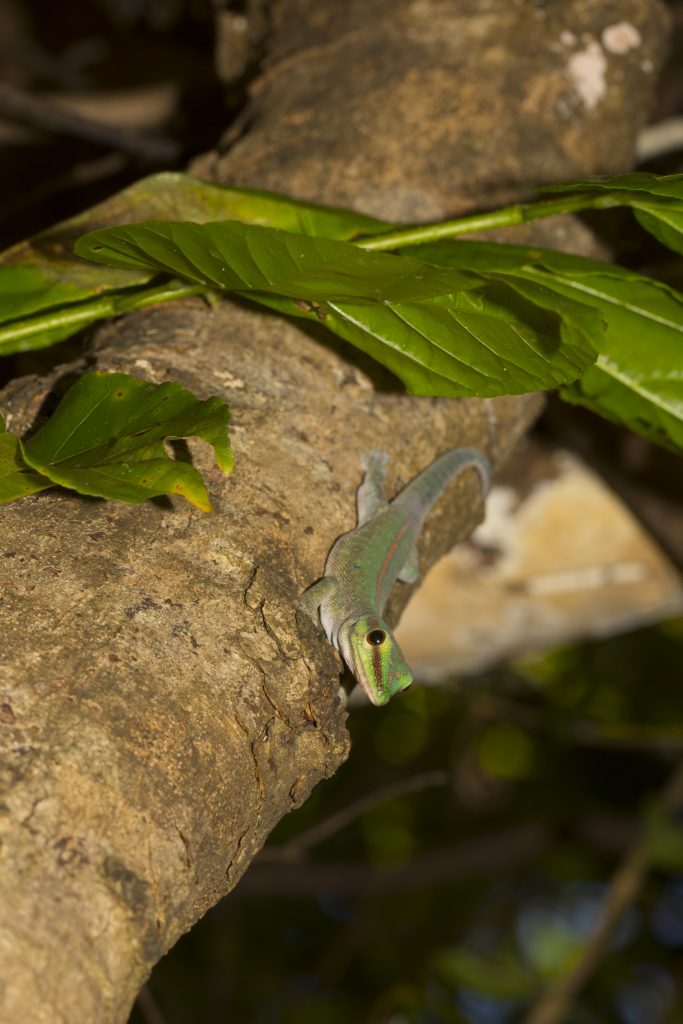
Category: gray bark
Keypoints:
(160, 707)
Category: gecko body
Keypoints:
(364, 564)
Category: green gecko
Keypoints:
(364, 564)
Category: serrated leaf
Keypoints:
(106, 438)
(443, 332)
(638, 378)
(16, 478)
(656, 200)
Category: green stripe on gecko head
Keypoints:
(374, 657)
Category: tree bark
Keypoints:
(160, 707)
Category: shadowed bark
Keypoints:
(160, 709)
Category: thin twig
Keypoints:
(469, 858)
(21, 106)
(504, 217)
(329, 826)
(555, 1002)
(492, 853)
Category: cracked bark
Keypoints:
(161, 710)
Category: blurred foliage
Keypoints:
(576, 745)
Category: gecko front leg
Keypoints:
(311, 599)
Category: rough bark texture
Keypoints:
(417, 109)
(159, 708)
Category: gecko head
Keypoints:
(374, 657)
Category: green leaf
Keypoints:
(667, 186)
(638, 378)
(60, 322)
(25, 290)
(42, 275)
(16, 478)
(186, 198)
(72, 303)
(443, 332)
(106, 438)
(657, 201)
(42, 272)
(664, 222)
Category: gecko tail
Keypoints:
(480, 462)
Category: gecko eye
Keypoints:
(376, 637)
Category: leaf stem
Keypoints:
(506, 217)
(83, 313)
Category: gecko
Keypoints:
(364, 564)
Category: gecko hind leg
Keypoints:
(370, 495)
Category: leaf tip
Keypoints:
(197, 497)
(225, 462)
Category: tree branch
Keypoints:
(294, 849)
(474, 857)
(489, 854)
